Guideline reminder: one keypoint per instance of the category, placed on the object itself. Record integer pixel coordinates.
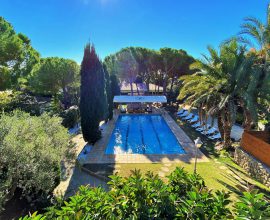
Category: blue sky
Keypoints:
(62, 27)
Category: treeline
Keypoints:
(161, 67)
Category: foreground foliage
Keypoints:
(31, 149)
(185, 196)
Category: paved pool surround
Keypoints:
(98, 155)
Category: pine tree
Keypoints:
(108, 94)
(92, 95)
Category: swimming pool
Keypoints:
(142, 134)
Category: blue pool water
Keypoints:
(142, 134)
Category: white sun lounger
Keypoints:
(198, 124)
(190, 116)
(184, 114)
(211, 131)
(181, 111)
(193, 120)
(203, 128)
(215, 137)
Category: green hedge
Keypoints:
(185, 196)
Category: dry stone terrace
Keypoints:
(97, 153)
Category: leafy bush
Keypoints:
(185, 196)
(10, 100)
(70, 117)
(7, 97)
(31, 149)
(253, 206)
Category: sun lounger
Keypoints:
(184, 114)
(190, 116)
(203, 128)
(194, 119)
(181, 111)
(215, 137)
(197, 125)
(211, 131)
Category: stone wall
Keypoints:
(255, 168)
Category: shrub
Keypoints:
(31, 149)
(148, 197)
(253, 206)
(70, 117)
(7, 97)
(10, 100)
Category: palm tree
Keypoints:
(259, 32)
(218, 85)
(259, 88)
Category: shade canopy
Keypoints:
(139, 99)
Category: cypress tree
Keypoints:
(92, 95)
(103, 103)
(108, 94)
(115, 88)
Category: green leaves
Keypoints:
(54, 74)
(17, 57)
(139, 196)
(252, 206)
(30, 153)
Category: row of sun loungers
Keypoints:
(205, 129)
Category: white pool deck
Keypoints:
(97, 153)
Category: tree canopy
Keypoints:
(17, 57)
(161, 67)
(54, 75)
(254, 32)
(218, 86)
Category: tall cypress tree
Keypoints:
(108, 94)
(92, 94)
(115, 88)
(103, 96)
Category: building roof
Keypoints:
(139, 99)
(125, 87)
